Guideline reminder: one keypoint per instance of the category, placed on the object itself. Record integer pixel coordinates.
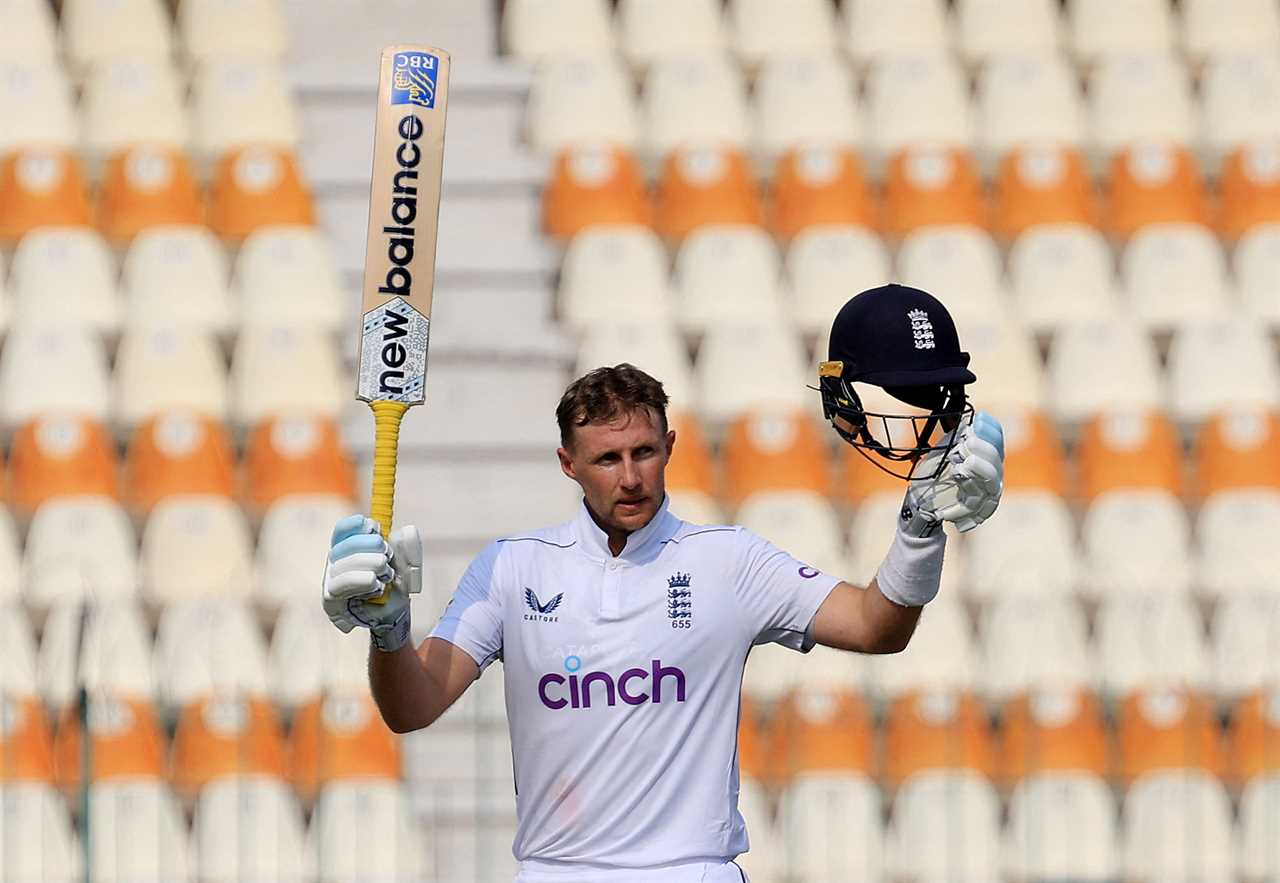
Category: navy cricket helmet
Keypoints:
(904, 341)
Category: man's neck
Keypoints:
(617, 537)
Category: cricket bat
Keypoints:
(400, 255)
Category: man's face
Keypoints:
(621, 467)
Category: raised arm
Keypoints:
(414, 687)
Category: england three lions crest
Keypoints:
(680, 600)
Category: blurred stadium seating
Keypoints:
(1092, 186)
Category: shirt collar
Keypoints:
(641, 546)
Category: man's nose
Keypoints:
(630, 474)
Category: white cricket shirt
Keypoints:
(623, 679)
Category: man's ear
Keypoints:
(671, 442)
(566, 463)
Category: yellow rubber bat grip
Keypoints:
(386, 422)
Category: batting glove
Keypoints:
(968, 490)
(362, 565)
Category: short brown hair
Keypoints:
(603, 394)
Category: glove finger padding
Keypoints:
(406, 559)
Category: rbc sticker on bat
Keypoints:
(413, 79)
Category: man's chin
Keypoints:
(633, 516)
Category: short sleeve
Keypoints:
(472, 620)
(777, 593)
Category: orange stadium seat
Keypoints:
(705, 185)
(26, 742)
(691, 467)
(820, 731)
(594, 184)
(146, 187)
(340, 737)
(1250, 188)
(860, 478)
(756, 759)
(775, 449)
(1034, 456)
(296, 454)
(815, 185)
(226, 736)
(178, 452)
(1254, 737)
(127, 742)
(1043, 184)
(1053, 730)
(255, 187)
(1154, 183)
(935, 730)
(1163, 729)
(1129, 450)
(41, 188)
(1238, 450)
(58, 457)
(929, 185)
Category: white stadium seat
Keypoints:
(1062, 273)
(1237, 556)
(832, 828)
(160, 254)
(308, 657)
(771, 673)
(93, 31)
(1257, 266)
(652, 29)
(916, 100)
(988, 29)
(1155, 641)
(1244, 635)
(576, 99)
(196, 546)
(1004, 358)
(1100, 366)
(876, 29)
(1221, 363)
(10, 558)
(1136, 542)
(694, 100)
(79, 547)
(138, 833)
(36, 106)
(457, 768)
(74, 264)
(114, 657)
(1137, 97)
(287, 274)
(826, 669)
(828, 264)
(128, 102)
(534, 30)
(240, 103)
(28, 33)
(1099, 28)
(941, 655)
(960, 265)
(767, 856)
(728, 386)
(1034, 644)
(212, 29)
(71, 377)
(207, 647)
(1062, 826)
(1240, 101)
(805, 99)
(18, 663)
(1259, 809)
(373, 805)
(1177, 827)
(295, 535)
(37, 841)
(614, 274)
(727, 273)
(945, 826)
(802, 522)
(284, 368)
(189, 360)
(1027, 99)
(250, 827)
(655, 348)
(1215, 27)
(763, 29)
(1174, 274)
(1028, 552)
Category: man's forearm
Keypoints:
(889, 626)
(401, 688)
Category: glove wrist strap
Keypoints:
(391, 637)
(911, 572)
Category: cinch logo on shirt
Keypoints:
(556, 691)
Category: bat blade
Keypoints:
(400, 253)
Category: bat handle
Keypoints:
(386, 421)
